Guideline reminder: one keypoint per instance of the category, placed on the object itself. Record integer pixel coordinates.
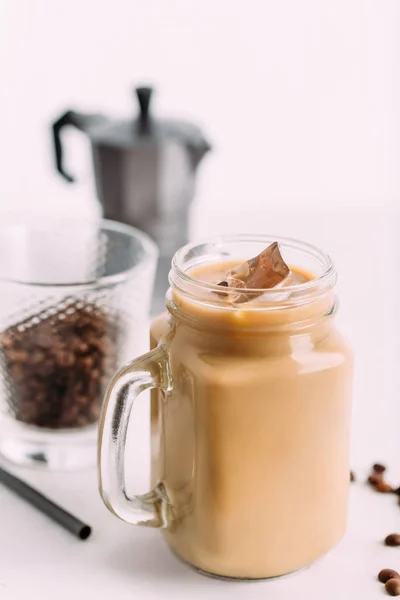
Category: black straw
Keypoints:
(46, 506)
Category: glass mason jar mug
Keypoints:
(250, 417)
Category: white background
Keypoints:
(301, 100)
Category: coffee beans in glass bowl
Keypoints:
(74, 305)
(55, 364)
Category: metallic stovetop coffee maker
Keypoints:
(145, 172)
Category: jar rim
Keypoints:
(178, 276)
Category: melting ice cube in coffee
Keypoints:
(266, 271)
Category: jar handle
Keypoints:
(146, 372)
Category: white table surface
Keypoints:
(39, 559)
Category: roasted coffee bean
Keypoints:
(6, 341)
(16, 372)
(65, 358)
(393, 539)
(44, 337)
(87, 362)
(29, 411)
(387, 574)
(46, 367)
(393, 587)
(378, 468)
(82, 400)
(375, 478)
(55, 364)
(352, 476)
(36, 357)
(95, 411)
(92, 388)
(383, 487)
(18, 356)
(96, 374)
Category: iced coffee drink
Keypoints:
(250, 431)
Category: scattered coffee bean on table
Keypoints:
(387, 574)
(383, 487)
(378, 468)
(393, 539)
(375, 478)
(393, 587)
(55, 365)
(352, 476)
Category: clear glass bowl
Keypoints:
(74, 298)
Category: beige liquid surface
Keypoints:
(252, 444)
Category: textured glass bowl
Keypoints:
(74, 299)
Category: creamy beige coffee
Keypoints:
(252, 443)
